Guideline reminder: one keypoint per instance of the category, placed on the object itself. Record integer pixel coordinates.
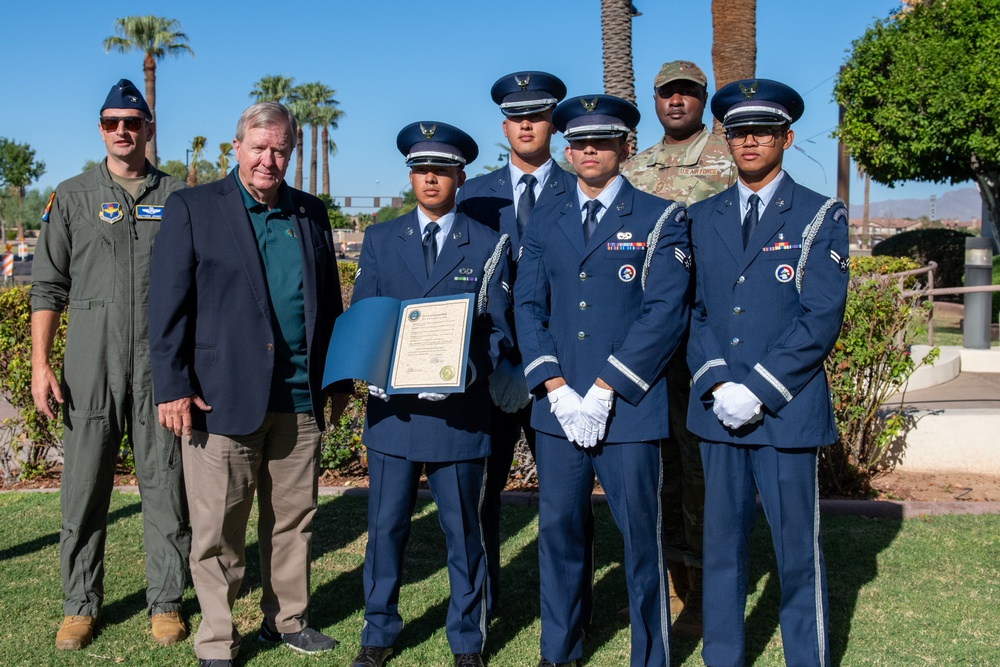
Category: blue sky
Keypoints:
(393, 62)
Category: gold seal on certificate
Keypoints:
(431, 345)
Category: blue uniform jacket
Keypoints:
(751, 325)
(582, 312)
(210, 327)
(392, 264)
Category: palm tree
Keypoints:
(225, 150)
(155, 37)
(616, 37)
(272, 88)
(734, 42)
(197, 148)
(317, 96)
(327, 118)
(300, 110)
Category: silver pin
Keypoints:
(781, 237)
(729, 202)
(621, 206)
(465, 272)
(456, 235)
(779, 201)
(503, 182)
(409, 231)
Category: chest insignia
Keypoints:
(146, 212)
(626, 273)
(782, 245)
(638, 245)
(290, 232)
(784, 273)
(111, 212)
(624, 236)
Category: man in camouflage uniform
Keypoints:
(94, 253)
(688, 165)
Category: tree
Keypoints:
(316, 98)
(327, 117)
(18, 168)
(300, 110)
(920, 100)
(155, 37)
(225, 151)
(734, 42)
(272, 88)
(616, 38)
(197, 148)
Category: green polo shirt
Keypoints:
(282, 260)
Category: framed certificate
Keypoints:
(405, 347)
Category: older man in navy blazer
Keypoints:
(771, 261)
(432, 251)
(503, 201)
(243, 295)
(601, 302)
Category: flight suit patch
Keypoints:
(111, 212)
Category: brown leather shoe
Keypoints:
(75, 632)
(168, 628)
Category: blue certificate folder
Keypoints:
(368, 337)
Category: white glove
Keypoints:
(564, 403)
(431, 396)
(594, 411)
(736, 406)
(378, 392)
(508, 387)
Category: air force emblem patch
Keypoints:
(111, 212)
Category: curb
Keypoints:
(870, 509)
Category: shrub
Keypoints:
(29, 440)
(870, 361)
(944, 246)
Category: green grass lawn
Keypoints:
(915, 592)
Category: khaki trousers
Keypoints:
(279, 461)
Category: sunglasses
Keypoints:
(132, 123)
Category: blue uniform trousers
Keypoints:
(786, 482)
(457, 488)
(631, 476)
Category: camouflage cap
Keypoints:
(679, 69)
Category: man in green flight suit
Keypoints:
(688, 165)
(94, 254)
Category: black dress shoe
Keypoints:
(469, 660)
(305, 640)
(371, 656)
(548, 663)
(214, 663)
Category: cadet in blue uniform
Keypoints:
(432, 251)
(772, 262)
(503, 200)
(601, 301)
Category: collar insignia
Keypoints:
(779, 201)
(428, 132)
(589, 106)
(749, 92)
(522, 83)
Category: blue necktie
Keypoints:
(751, 219)
(430, 246)
(590, 224)
(525, 204)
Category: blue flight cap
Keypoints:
(524, 93)
(431, 142)
(756, 102)
(595, 117)
(124, 95)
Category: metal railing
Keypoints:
(930, 291)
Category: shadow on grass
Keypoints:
(851, 552)
(51, 539)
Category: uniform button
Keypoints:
(737, 310)
(583, 305)
(741, 280)
(734, 342)
(583, 275)
(581, 335)
(270, 346)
